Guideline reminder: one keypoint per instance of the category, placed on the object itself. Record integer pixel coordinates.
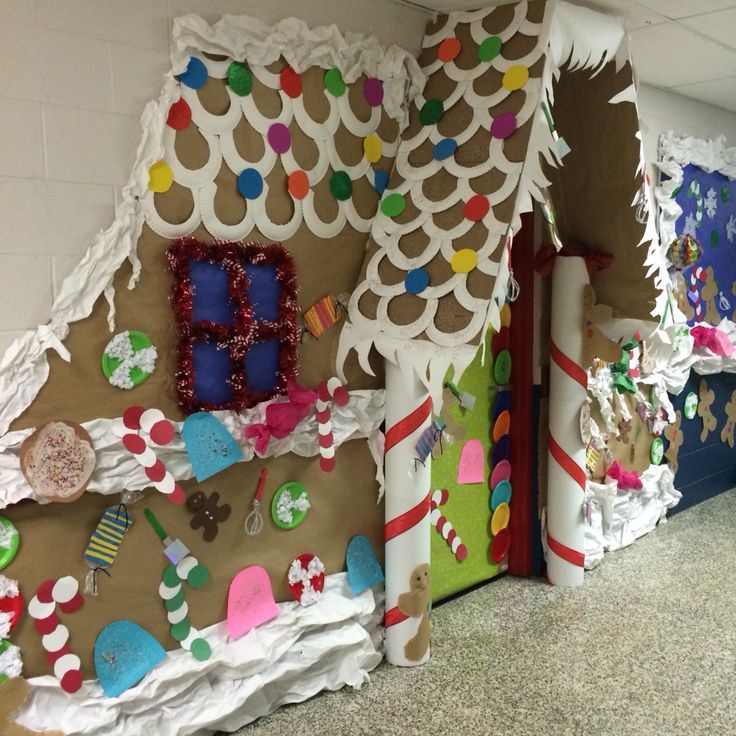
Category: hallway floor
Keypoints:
(646, 646)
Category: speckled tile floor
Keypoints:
(646, 646)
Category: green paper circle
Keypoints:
(181, 630)
(201, 650)
(393, 205)
(341, 186)
(334, 82)
(502, 367)
(690, 407)
(8, 553)
(725, 194)
(198, 576)
(240, 78)
(138, 341)
(171, 577)
(431, 112)
(295, 489)
(490, 48)
(714, 238)
(176, 602)
(656, 452)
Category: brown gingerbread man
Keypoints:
(595, 342)
(707, 397)
(708, 295)
(418, 602)
(624, 427)
(206, 513)
(673, 434)
(728, 429)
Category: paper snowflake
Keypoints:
(731, 228)
(690, 226)
(711, 203)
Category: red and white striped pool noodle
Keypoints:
(697, 275)
(161, 432)
(328, 392)
(63, 592)
(444, 526)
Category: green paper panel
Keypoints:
(467, 508)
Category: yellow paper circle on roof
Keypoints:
(464, 260)
(505, 315)
(516, 77)
(160, 177)
(501, 517)
(372, 148)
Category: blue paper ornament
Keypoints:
(124, 654)
(364, 570)
(211, 448)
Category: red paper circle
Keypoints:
(341, 396)
(500, 341)
(180, 115)
(132, 417)
(45, 592)
(72, 605)
(156, 472)
(476, 208)
(449, 49)
(327, 464)
(326, 440)
(46, 625)
(134, 443)
(13, 606)
(500, 545)
(51, 657)
(462, 552)
(291, 82)
(177, 496)
(162, 432)
(71, 681)
(318, 583)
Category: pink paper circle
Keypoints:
(279, 138)
(503, 125)
(373, 91)
(502, 471)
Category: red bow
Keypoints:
(595, 260)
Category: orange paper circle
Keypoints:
(502, 425)
(505, 315)
(449, 49)
(516, 77)
(500, 519)
(372, 148)
(298, 184)
(160, 177)
(464, 260)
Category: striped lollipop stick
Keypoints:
(444, 527)
(328, 392)
(137, 423)
(63, 592)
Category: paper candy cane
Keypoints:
(160, 430)
(54, 635)
(693, 192)
(697, 278)
(444, 527)
(328, 391)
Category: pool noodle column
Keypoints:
(408, 498)
(568, 386)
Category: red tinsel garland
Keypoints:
(244, 332)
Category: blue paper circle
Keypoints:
(380, 180)
(444, 148)
(503, 403)
(250, 183)
(501, 494)
(501, 449)
(196, 74)
(416, 281)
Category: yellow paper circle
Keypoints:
(515, 77)
(464, 260)
(160, 177)
(500, 519)
(372, 148)
(505, 315)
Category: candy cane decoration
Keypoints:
(328, 391)
(444, 527)
(568, 393)
(406, 533)
(63, 592)
(697, 278)
(160, 430)
(693, 192)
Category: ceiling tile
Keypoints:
(721, 92)
(686, 8)
(635, 15)
(720, 26)
(669, 55)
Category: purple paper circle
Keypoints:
(503, 125)
(373, 91)
(279, 138)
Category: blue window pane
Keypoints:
(262, 365)
(264, 291)
(210, 295)
(212, 368)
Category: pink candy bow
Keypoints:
(712, 339)
(625, 479)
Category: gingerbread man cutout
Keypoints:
(595, 342)
(673, 435)
(417, 602)
(707, 397)
(708, 294)
(624, 427)
(728, 429)
(206, 513)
